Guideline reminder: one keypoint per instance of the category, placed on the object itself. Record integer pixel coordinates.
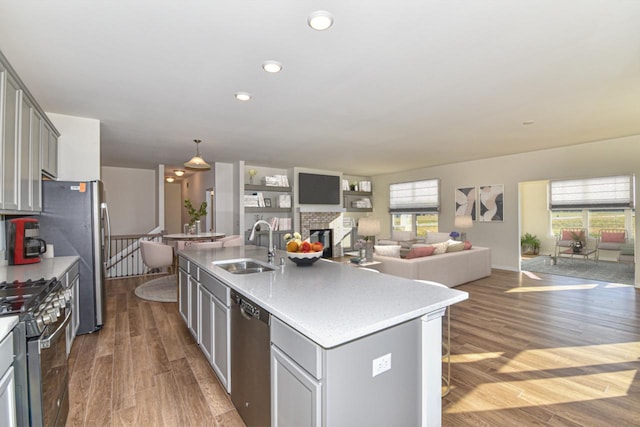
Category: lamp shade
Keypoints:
(197, 162)
(463, 221)
(368, 227)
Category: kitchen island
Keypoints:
(348, 347)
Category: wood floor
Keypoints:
(540, 350)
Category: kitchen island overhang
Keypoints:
(360, 315)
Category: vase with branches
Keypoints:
(195, 214)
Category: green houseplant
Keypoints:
(194, 214)
(530, 244)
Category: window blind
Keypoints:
(607, 192)
(415, 197)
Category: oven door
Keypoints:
(48, 375)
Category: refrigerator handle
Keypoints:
(107, 255)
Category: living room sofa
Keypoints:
(450, 268)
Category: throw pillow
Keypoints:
(454, 246)
(387, 250)
(612, 237)
(467, 245)
(421, 251)
(440, 248)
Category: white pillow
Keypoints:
(454, 246)
(441, 247)
(433, 237)
(387, 250)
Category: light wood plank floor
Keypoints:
(541, 350)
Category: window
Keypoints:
(594, 204)
(414, 206)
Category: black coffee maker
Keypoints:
(24, 245)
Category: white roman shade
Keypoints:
(603, 193)
(415, 197)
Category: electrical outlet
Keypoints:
(381, 364)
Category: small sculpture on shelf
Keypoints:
(252, 173)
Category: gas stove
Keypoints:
(38, 303)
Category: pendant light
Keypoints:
(197, 163)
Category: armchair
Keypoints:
(567, 238)
(610, 240)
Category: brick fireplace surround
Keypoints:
(323, 220)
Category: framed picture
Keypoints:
(267, 202)
(466, 201)
(491, 198)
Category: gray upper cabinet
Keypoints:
(28, 145)
(49, 151)
(10, 147)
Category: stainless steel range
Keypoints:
(40, 364)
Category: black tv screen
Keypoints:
(318, 189)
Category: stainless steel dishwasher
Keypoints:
(250, 364)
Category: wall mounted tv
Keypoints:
(318, 189)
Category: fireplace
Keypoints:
(324, 236)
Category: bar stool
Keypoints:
(446, 345)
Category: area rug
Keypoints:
(162, 289)
(604, 271)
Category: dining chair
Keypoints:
(156, 255)
(233, 240)
(205, 245)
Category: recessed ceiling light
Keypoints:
(242, 96)
(178, 172)
(170, 179)
(272, 66)
(528, 122)
(320, 20)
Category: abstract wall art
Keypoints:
(491, 198)
(466, 201)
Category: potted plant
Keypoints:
(530, 244)
(195, 215)
(579, 242)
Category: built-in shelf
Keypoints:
(356, 193)
(359, 209)
(254, 187)
(265, 209)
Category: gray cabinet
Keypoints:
(215, 324)
(183, 292)
(10, 147)
(206, 322)
(28, 145)
(204, 304)
(49, 151)
(29, 157)
(296, 398)
(193, 307)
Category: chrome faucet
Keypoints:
(271, 250)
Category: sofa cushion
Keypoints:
(388, 250)
(434, 237)
(455, 246)
(612, 237)
(421, 251)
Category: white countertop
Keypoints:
(328, 302)
(47, 268)
(7, 323)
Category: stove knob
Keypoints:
(48, 318)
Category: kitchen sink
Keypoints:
(243, 266)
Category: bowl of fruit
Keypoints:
(302, 253)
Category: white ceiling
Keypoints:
(393, 85)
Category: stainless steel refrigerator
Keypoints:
(76, 221)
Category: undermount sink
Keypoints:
(243, 266)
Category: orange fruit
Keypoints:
(316, 246)
(292, 246)
(306, 247)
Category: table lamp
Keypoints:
(463, 222)
(368, 227)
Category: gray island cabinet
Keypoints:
(347, 346)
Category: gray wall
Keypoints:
(603, 158)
